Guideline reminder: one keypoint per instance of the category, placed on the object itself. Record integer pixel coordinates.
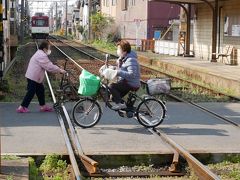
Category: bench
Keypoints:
(227, 51)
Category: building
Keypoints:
(10, 22)
(140, 19)
(216, 25)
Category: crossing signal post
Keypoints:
(1, 58)
(1, 40)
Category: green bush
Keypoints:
(54, 168)
(33, 170)
(80, 28)
(99, 23)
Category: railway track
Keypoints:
(100, 55)
(74, 147)
(202, 171)
(171, 95)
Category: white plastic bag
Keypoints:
(109, 74)
(106, 67)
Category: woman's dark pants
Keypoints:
(32, 89)
(119, 90)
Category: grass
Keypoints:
(52, 168)
(228, 169)
(104, 46)
(10, 177)
(230, 92)
(15, 81)
(192, 94)
(8, 157)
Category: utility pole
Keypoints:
(66, 20)
(22, 24)
(56, 16)
(1, 58)
(89, 18)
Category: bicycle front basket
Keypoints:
(89, 83)
(158, 86)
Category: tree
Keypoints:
(99, 24)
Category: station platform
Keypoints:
(33, 133)
(225, 78)
(195, 130)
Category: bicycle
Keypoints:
(67, 91)
(149, 111)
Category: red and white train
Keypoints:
(40, 26)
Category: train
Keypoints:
(40, 26)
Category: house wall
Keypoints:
(109, 8)
(230, 9)
(128, 26)
(203, 32)
(150, 14)
(203, 29)
(159, 14)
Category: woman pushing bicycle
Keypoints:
(35, 76)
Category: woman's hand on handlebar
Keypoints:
(62, 71)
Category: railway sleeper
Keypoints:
(174, 167)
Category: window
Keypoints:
(133, 2)
(107, 3)
(40, 23)
(124, 5)
(114, 2)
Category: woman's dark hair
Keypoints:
(44, 45)
(125, 46)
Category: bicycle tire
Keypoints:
(83, 104)
(142, 106)
(69, 93)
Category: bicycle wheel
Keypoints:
(151, 112)
(86, 113)
(69, 93)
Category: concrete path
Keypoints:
(199, 132)
(32, 133)
(38, 133)
(15, 169)
(195, 130)
(118, 136)
(228, 110)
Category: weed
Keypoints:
(8, 157)
(53, 168)
(33, 170)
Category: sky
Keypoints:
(44, 6)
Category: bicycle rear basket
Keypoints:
(158, 86)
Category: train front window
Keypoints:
(40, 23)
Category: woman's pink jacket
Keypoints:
(37, 66)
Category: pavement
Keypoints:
(197, 64)
(15, 169)
(33, 133)
(200, 132)
(228, 110)
(195, 130)
(38, 133)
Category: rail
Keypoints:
(64, 131)
(89, 164)
(202, 171)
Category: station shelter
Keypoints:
(216, 28)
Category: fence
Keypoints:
(145, 44)
(169, 48)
